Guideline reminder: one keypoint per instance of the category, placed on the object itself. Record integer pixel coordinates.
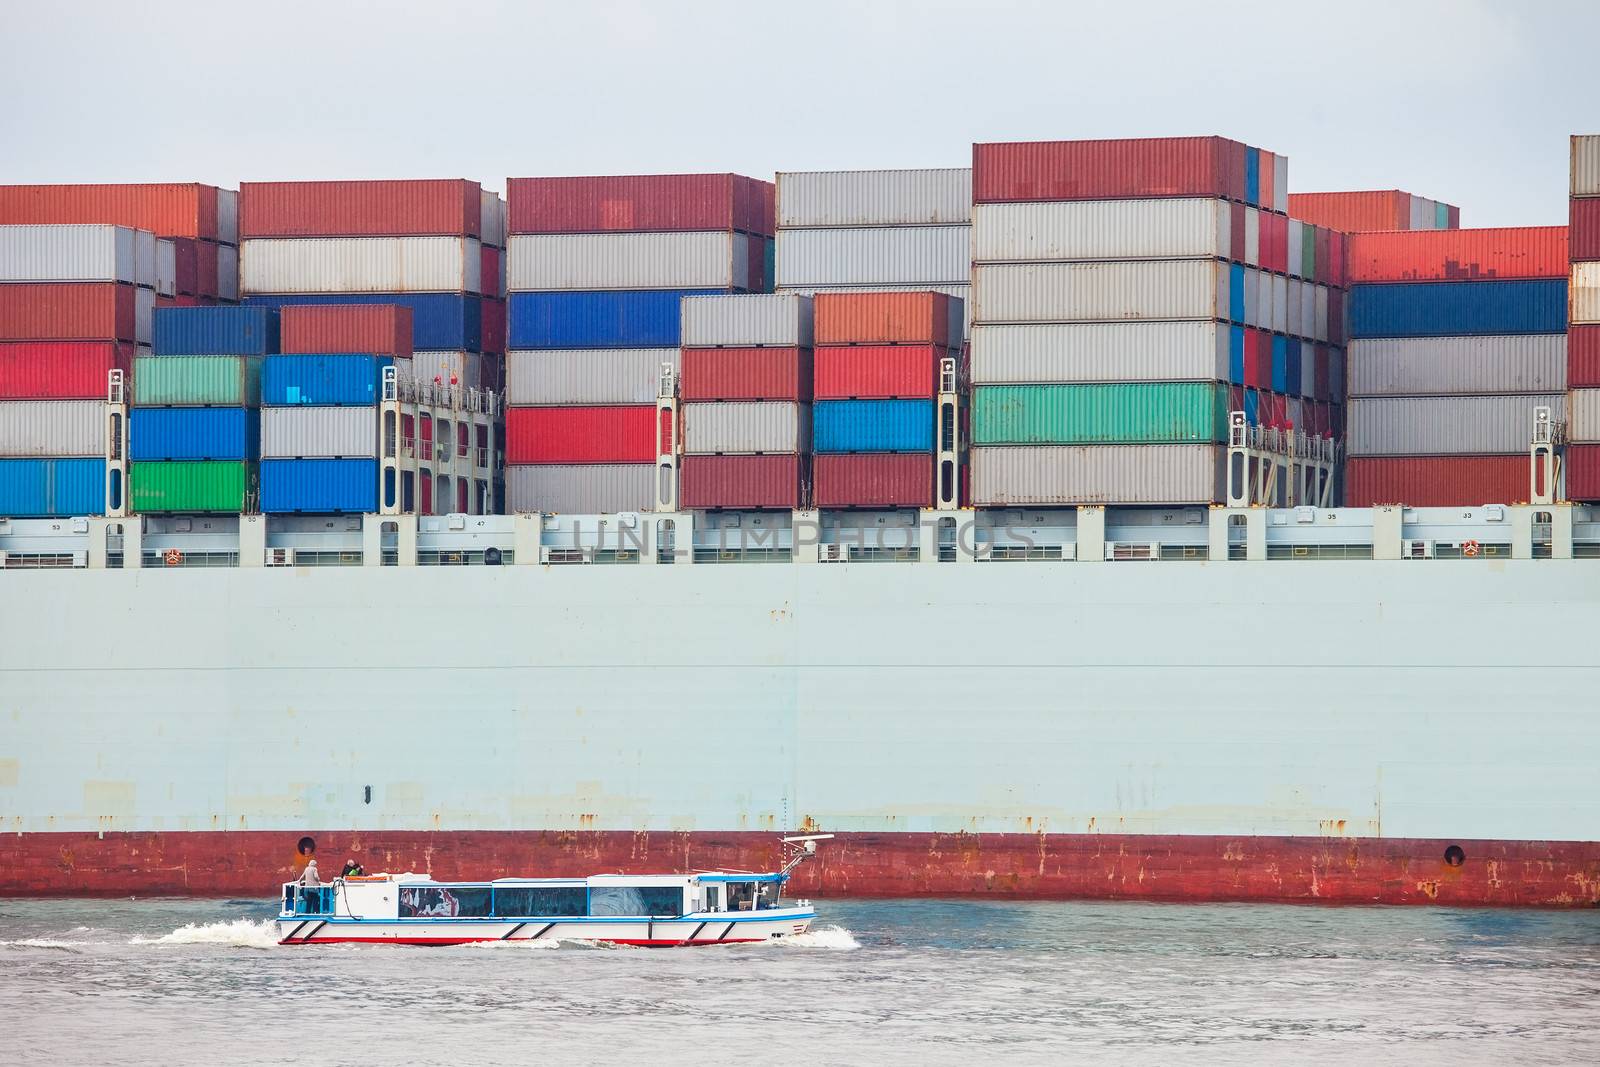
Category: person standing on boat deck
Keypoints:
(351, 867)
(313, 885)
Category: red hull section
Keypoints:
(1303, 870)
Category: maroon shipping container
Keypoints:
(1236, 230)
(639, 203)
(172, 210)
(1583, 473)
(1266, 165)
(1257, 358)
(186, 265)
(1336, 316)
(376, 329)
(1584, 228)
(746, 374)
(878, 372)
(870, 480)
(1436, 481)
(494, 326)
(67, 311)
(772, 481)
(60, 370)
(617, 434)
(207, 269)
(489, 273)
(1106, 170)
(449, 207)
(1583, 357)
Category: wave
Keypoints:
(43, 942)
(830, 938)
(240, 933)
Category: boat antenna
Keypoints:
(796, 850)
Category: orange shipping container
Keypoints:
(171, 210)
(1359, 212)
(883, 318)
(72, 311)
(1459, 255)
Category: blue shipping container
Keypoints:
(1437, 309)
(1252, 407)
(872, 426)
(193, 433)
(1280, 363)
(324, 380)
(1236, 355)
(1252, 175)
(319, 486)
(645, 319)
(439, 321)
(52, 488)
(1236, 294)
(215, 331)
(1291, 370)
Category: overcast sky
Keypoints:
(1468, 101)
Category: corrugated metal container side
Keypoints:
(776, 481)
(889, 255)
(445, 207)
(323, 380)
(70, 311)
(1585, 293)
(581, 489)
(881, 372)
(228, 216)
(594, 376)
(746, 374)
(934, 197)
(1583, 473)
(1435, 481)
(439, 321)
(377, 329)
(193, 433)
(884, 317)
(646, 319)
(494, 326)
(319, 486)
(1584, 230)
(1122, 413)
(1585, 164)
(362, 265)
(586, 261)
(1422, 366)
(216, 381)
(166, 268)
(872, 426)
(216, 331)
(746, 427)
(1431, 309)
(864, 480)
(1354, 212)
(319, 433)
(449, 368)
(491, 219)
(77, 254)
(1459, 255)
(1099, 474)
(60, 370)
(742, 320)
(960, 307)
(1583, 416)
(1107, 352)
(1436, 426)
(492, 271)
(639, 203)
(52, 488)
(1108, 170)
(1100, 292)
(185, 486)
(581, 435)
(1103, 229)
(1583, 357)
(227, 273)
(185, 209)
(48, 428)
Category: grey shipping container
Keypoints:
(550, 262)
(875, 197)
(586, 489)
(746, 427)
(467, 367)
(1424, 366)
(319, 433)
(587, 375)
(1098, 474)
(228, 216)
(1101, 229)
(1583, 416)
(1100, 352)
(1586, 164)
(73, 253)
(30, 428)
(874, 256)
(738, 320)
(1444, 425)
(1101, 292)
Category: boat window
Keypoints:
(636, 900)
(549, 900)
(713, 898)
(426, 902)
(767, 895)
(741, 896)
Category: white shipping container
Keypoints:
(1319, 313)
(1252, 237)
(738, 320)
(77, 254)
(144, 309)
(581, 489)
(1584, 293)
(875, 197)
(1280, 303)
(587, 376)
(1252, 299)
(1101, 292)
(874, 256)
(1291, 306)
(1280, 184)
(1101, 229)
(1098, 474)
(1585, 164)
(45, 428)
(361, 265)
(1423, 366)
(319, 433)
(1265, 312)
(228, 217)
(227, 272)
(550, 262)
(465, 367)
(492, 219)
(1583, 416)
(1308, 373)
(1296, 248)
(1444, 425)
(1100, 352)
(1308, 310)
(745, 427)
(166, 268)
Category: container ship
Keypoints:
(1102, 521)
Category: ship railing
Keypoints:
(307, 899)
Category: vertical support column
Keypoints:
(1387, 530)
(406, 542)
(252, 540)
(1091, 534)
(116, 445)
(96, 554)
(1542, 458)
(666, 488)
(947, 464)
(372, 540)
(392, 447)
(1217, 523)
(805, 533)
(1521, 531)
(526, 528)
(1560, 530)
(1238, 473)
(132, 542)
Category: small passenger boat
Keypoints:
(654, 910)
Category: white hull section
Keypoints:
(713, 928)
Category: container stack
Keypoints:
(1376, 210)
(1128, 295)
(1456, 337)
(492, 275)
(746, 390)
(597, 268)
(1583, 330)
(875, 229)
(194, 427)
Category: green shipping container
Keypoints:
(185, 486)
(1121, 414)
(1308, 250)
(193, 381)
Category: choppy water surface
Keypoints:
(880, 982)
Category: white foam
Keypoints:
(240, 933)
(831, 938)
(41, 942)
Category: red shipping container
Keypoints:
(1322, 373)
(1585, 228)
(207, 269)
(60, 370)
(1435, 481)
(377, 329)
(1266, 181)
(1324, 257)
(494, 326)
(1583, 473)
(1274, 242)
(772, 481)
(184, 209)
(449, 207)
(1454, 216)
(1339, 260)
(882, 318)
(878, 372)
(489, 272)
(619, 434)
(186, 275)
(67, 311)
(1459, 255)
(1354, 212)
(1104, 170)
(746, 374)
(868, 480)
(1236, 232)
(1257, 358)
(639, 203)
(1583, 357)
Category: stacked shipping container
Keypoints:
(596, 270)
(1374, 210)
(1583, 329)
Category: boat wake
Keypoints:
(240, 933)
(43, 942)
(829, 938)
